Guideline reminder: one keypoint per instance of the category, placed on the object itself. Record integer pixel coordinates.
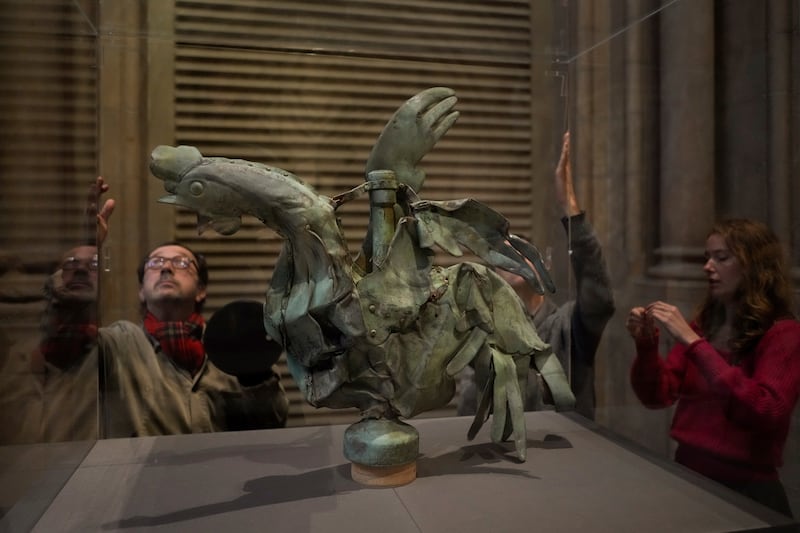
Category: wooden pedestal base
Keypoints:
(384, 476)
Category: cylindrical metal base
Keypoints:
(383, 452)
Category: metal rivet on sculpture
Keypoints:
(385, 331)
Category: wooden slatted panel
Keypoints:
(48, 130)
(308, 86)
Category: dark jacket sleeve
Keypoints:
(261, 405)
(594, 298)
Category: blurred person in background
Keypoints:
(573, 329)
(50, 383)
(83, 382)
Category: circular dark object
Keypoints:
(236, 342)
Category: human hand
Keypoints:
(102, 220)
(672, 320)
(98, 220)
(565, 191)
(641, 326)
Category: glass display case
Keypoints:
(680, 113)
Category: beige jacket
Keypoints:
(126, 387)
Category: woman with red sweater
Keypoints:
(734, 371)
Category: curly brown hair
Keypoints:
(765, 293)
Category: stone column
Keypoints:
(686, 178)
(779, 68)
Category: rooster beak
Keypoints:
(203, 224)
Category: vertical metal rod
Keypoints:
(382, 198)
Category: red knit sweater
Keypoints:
(731, 422)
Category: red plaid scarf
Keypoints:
(67, 343)
(181, 341)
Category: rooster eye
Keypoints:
(196, 188)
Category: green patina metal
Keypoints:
(385, 330)
(381, 442)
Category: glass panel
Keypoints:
(680, 113)
(49, 272)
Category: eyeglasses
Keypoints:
(181, 262)
(71, 264)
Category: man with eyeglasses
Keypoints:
(81, 382)
(160, 380)
(78, 274)
(50, 384)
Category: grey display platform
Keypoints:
(575, 479)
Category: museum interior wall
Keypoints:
(681, 112)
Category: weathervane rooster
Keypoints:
(384, 330)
